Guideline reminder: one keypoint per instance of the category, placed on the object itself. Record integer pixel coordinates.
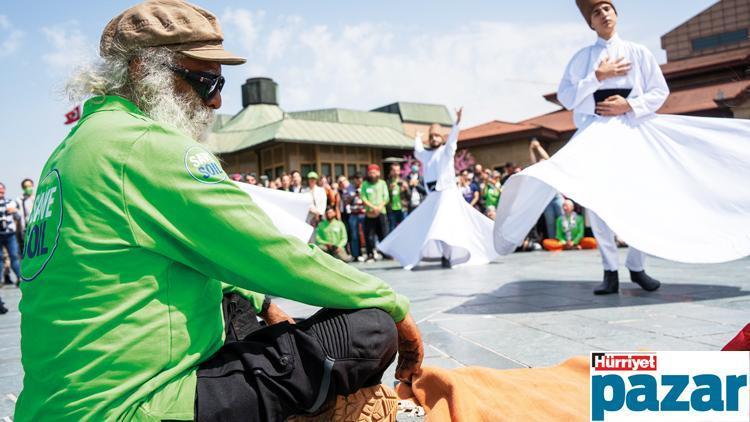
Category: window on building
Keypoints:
(338, 170)
(718, 40)
(325, 169)
(306, 168)
(351, 170)
(278, 171)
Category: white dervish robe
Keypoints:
(444, 225)
(671, 186)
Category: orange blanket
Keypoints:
(559, 393)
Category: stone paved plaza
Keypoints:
(532, 309)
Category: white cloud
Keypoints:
(247, 23)
(10, 37)
(69, 47)
(497, 70)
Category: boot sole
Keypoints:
(372, 404)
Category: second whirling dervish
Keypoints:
(688, 200)
(444, 227)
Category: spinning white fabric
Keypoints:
(286, 210)
(444, 225)
(671, 186)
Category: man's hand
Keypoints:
(459, 113)
(410, 350)
(615, 105)
(11, 208)
(274, 315)
(612, 68)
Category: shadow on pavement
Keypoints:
(548, 296)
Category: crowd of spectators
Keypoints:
(351, 215)
(14, 216)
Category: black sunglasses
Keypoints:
(205, 84)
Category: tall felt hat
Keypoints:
(587, 7)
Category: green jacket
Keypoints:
(331, 232)
(134, 228)
(375, 193)
(492, 194)
(576, 232)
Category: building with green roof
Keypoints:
(262, 138)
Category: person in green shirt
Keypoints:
(570, 231)
(375, 196)
(135, 235)
(330, 235)
(492, 190)
(399, 192)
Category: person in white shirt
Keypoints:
(320, 201)
(615, 87)
(444, 227)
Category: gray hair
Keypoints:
(110, 76)
(153, 91)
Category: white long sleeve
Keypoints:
(419, 148)
(578, 85)
(452, 144)
(655, 89)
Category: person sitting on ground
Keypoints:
(121, 307)
(330, 235)
(569, 231)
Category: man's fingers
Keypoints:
(622, 68)
(406, 369)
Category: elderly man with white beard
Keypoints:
(135, 236)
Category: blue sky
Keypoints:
(494, 57)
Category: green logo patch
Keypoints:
(203, 166)
(43, 229)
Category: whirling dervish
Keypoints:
(666, 208)
(444, 227)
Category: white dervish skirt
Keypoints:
(676, 187)
(444, 224)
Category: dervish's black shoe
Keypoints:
(610, 284)
(3, 309)
(445, 263)
(646, 282)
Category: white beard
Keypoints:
(156, 97)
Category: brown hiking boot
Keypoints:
(371, 404)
